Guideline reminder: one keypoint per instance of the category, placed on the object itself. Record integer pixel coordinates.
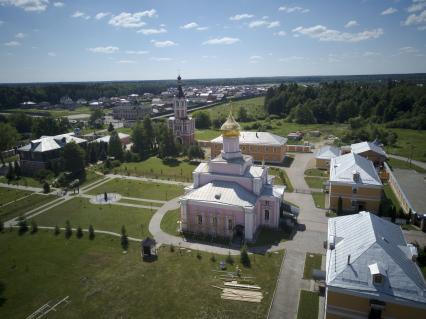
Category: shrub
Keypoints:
(244, 257)
(34, 227)
(91, 232)
(229, 259)
(23, 227)
(1, 226)
(79, 233)
(46, 188)
(57, 231)
(124, 240)
(213, 258)
(68, 229)
(172, 248)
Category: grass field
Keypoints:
(141, 202)
(139, 189)
(312, 261)
(154, 167)
(103, 217)
(395, 163)
(315, 182)
(9, 194)
(308, 305)
(23, 181)
(316, 172)
(24, 205)
(169, 223)
(206, 135)
(104, 283)
(53, 112)
(319, 199)
(410, 142)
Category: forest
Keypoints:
(396, 104)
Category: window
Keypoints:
(266, 215)
(354, 190)
(266, 203)
(378, 279)
(230, 224)
(200, 219)
(214, 221)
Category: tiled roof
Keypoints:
(373, 245)
(49, 143)
(328, 152)
(107, 137)
(261, 138)
(343, 168)
(367, 146)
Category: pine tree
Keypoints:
(115, 148)
(91, 232)
(149, 131)
(110, 127)
(57, 231)
(244, 257)
(68, 229)
(23, 227)
(79, 233)
(34, 227)
(124, 240)
(46, 188)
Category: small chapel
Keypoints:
(230, 196)
(181, 124)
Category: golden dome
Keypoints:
(230, 128)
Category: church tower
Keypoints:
(182, 125)
(231, 138)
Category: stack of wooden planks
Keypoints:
(241, 295)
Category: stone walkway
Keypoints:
(145, 179)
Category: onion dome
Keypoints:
(230, 128)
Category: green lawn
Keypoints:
(268, 237)
(139, 189)
(103, 217)
(23, 181)
(141, 202)
(312, 261)
(319, 199)
(395, 163)
(281, 178)
(154, 167)
(54, 112)
(9, 194)
(308, 305)
(316, 172)
(169, 223)
(409, 142)
(24, 205)
(206, 135)
(91, 176)
(102, 282)
(315, 182)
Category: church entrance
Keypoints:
(239, 234)
(179, 140)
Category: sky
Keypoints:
(103, 40)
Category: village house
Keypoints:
(371, 270)
(355, 181)
(230, 197)
(262, 146)
(124, 138)
(129, 112)
(324, 156)
(369, 150)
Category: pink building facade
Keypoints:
(230, 196)
(182, 125)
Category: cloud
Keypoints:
(1, 22)
(152, 31)
(160, 59)
(27, 5)
(136, 52)
(202, 28)
(190, 25)
(352, 23)
(58, 4)
(371, 53)
(414, 19)
(209, 57)
(242, 16)
(20, 35)
(293, 9)
(280, 33)
(389, 11)
(12, 44)
(163, 44)
(407, 50)
(291, 59)
(264, 23)
(255, 58)
(126, 61)
(105, 50)
(324, 34)
(418, 5)
(102, 15)
(79, 14)
(52, 54)
(131, 20)
(224, 40)
(422, 28)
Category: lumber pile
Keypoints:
(241, 295)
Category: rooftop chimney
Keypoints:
(349, 259)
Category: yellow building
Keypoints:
(370, 150)
(324, 156)
(371, 271)
(262, 146)
(354, 179)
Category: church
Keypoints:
(182, 125)
(230, 197)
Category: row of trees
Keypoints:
(400, 104)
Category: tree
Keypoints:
(73, 157)
(22, 224)
(140, 140)
(17, 169)
(195, 151)
(149, 131)
(21, 121)
(79, 232)
(167, 145)
(115, 148)
(202, 120)
(242, 114)
(91, 232)
(57, 231)
(244, 257)
(34, 227)
(68, 229)
(8, 138)
(96, 118)
(10, 173)
(229, 259)
(1, 226)
(339, 206)
(124, 240)
(46, 188)
(110, 127)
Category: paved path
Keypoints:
(418, 163)
(145, 179)
(24, 188)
